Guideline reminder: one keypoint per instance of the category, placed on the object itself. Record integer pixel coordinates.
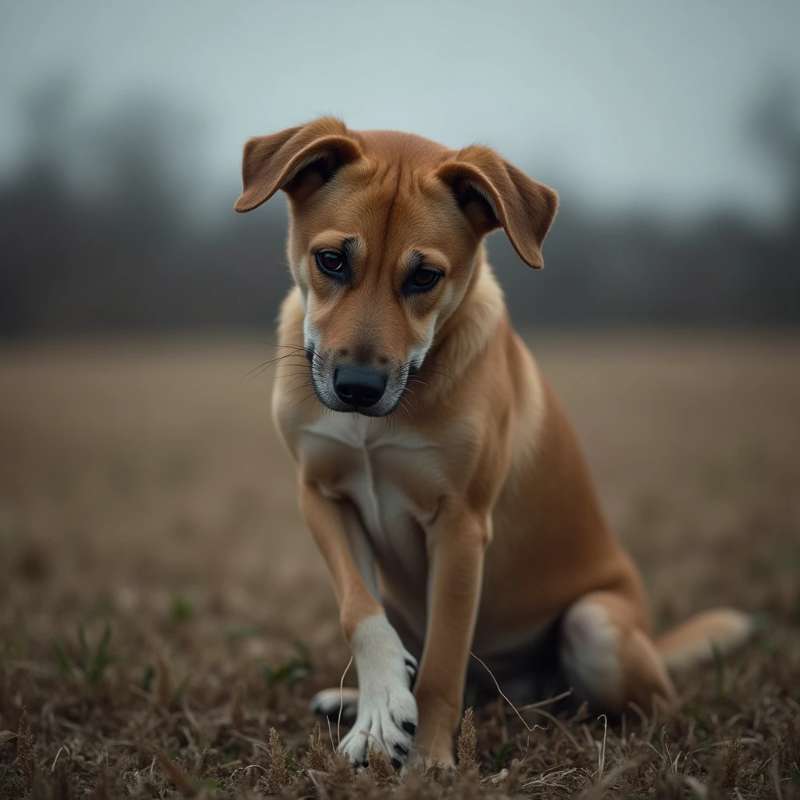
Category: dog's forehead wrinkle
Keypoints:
(381, 208)
(390, 210)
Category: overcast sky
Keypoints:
(626, 100)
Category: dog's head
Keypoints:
(384, 237)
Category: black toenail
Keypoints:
(400, 749)
(410, 727)
(396, 764)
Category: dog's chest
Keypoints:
(391, 474)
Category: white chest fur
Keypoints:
(388, 472)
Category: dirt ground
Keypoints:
(164, 617)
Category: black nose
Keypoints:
(359, 386)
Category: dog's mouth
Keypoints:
(356, 389)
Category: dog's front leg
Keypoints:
(387, 712)
(456, 549)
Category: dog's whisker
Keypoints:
(270, 362)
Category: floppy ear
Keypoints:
(298, 160)
(493, 193)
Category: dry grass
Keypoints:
(164, 617)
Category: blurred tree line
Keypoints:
(121, 246)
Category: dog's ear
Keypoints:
(298, 160)
(493, 193)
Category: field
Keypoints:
(164, 617)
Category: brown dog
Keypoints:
(437, 472)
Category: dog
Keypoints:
(437, 472)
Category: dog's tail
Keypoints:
(702, 636)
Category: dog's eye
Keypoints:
(331, 262)
(422, 279)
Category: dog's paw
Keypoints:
(411, 668)
(385, 721)
(387, 711)
(336, 704)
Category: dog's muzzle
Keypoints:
(361, 387)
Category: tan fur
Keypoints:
(471, 497)
(695, 640)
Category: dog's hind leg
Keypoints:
(608, 659)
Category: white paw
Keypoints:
(383, 723)
(330, 702)
(387, 711)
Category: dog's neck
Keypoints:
(465, 334)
